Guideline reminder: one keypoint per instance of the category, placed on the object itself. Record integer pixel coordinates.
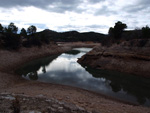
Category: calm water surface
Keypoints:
(64, 69)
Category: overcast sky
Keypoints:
(80, 15)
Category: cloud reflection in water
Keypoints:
(65, 70)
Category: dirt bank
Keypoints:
(12, 84)
(124, 58)
(11, 60)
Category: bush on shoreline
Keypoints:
(10, 40)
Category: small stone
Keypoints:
(51, 109)
(60, 109)
(81, 109)
(67, 97)
(55, 105)
(48, 100)
(95, 111)
(61, 103)
(40, 95)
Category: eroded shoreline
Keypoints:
(10, 83)
(123, 58)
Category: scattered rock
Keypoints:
(95, 111)
(26, 104)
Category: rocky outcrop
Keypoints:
(26, 104)
(131, 57)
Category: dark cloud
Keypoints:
(134, 8)
(88, 26)
(41, 26)
(50, 5)
(137, 13)
(59, 6)
(68, 28)
(95, 1)
(105, 11)
(82, 28)
(145, 3)
(96, 26)
(21, 3)
(139, 6)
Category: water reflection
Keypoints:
(64, 69)
(33, 75)
(31, 68)
(131, 85)
(73, 52)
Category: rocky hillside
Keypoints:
(131, 57)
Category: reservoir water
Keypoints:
(64, 69)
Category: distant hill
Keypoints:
(14, 41)
(71, 36)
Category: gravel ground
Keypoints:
(24, 104)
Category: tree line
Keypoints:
(12, 28)
(118, 34)
(11, 39)
(117, 31)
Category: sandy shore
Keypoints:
(11, 83)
